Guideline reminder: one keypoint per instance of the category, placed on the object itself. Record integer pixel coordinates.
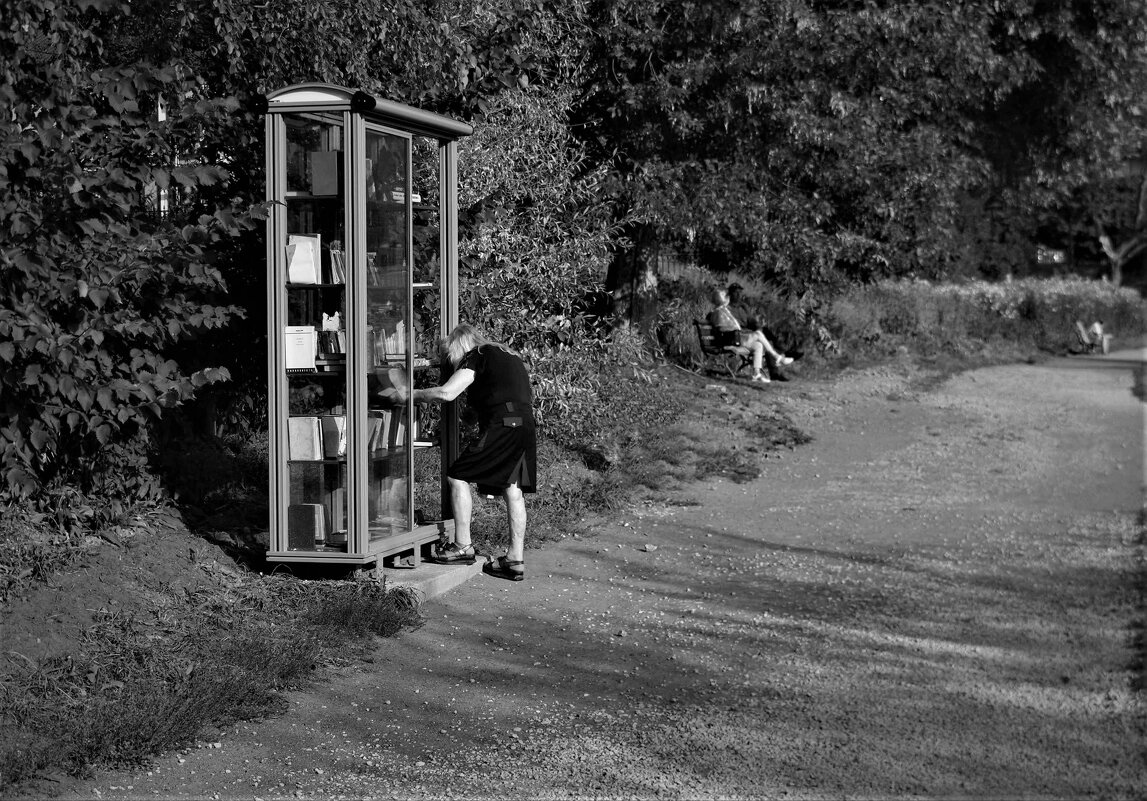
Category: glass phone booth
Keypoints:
(362, 284)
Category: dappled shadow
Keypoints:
(908, 678)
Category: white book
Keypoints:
(304, 439)
(304, 258)
(300, 345)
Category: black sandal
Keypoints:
(451, 554)
(504, 568)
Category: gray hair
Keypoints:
(463, 339)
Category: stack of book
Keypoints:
(332, 344)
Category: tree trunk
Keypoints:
(632, 279)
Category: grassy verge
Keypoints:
(186, 660)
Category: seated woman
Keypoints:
(1093, 337)
(781, 339)
(722, 319)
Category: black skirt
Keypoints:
(505, 453)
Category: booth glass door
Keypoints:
(388, 325)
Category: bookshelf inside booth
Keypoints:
(362, 268)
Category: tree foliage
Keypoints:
(827, 142)
(94, 288)
(537, 249)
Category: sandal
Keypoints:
(504, 568)
(451, 554)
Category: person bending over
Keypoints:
(723, 319)
(503, 460)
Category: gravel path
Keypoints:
(937, 597)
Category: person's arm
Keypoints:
(726, 320)
(455, 385)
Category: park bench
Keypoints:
(718, 346)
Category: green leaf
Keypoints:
(39, 438)
(20, 481)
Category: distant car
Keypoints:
(1046, 255)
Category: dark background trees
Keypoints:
(819, 143)
(811, 145)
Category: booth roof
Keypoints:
(416, 120)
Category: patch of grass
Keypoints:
(34, 546)
(151, 681)
(965, 319)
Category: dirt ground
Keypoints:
(940, 596)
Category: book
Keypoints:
(331, 344)
(337, 531)
(376, 346)
(300, 345)
(338, 266)
(304, 439)
(379, 429)
(324, 172)
(304, 258)
(306, 526)
(398, 430)
(334, 435)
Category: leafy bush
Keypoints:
(591, 400)
(536, 239)
(95, 287)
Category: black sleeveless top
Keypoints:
(500, 377)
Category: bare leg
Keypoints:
(757, 350)
(769, 349)
(463, 505)
(516, 513)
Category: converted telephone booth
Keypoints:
(362, 283)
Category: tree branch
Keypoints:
(1141, 215)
